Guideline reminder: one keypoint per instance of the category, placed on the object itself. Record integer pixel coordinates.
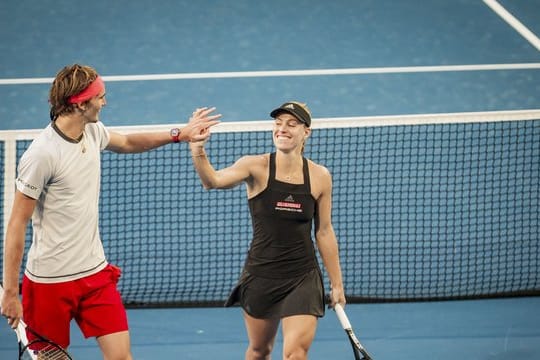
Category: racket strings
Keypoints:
(45, 351)
(51, 352)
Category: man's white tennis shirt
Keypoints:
(64, 177)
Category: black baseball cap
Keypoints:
(295, 110)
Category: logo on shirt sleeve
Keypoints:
(26, 185)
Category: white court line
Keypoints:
(275, 73)
(515, 23)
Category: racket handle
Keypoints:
(343, 319)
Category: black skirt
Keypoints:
(265, 298)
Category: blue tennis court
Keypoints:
(473, 329)
(345, 59)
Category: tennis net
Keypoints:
(425, 207)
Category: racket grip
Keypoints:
(343, 319)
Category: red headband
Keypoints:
(94, 89)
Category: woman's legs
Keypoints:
(298, 334)
(261, 334)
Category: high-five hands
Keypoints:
(198, 127)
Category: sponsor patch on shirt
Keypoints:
(288, 204)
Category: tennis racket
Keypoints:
(358, 350)
(48, 350)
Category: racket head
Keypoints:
(359, 352)
(47, 351)
(38, 348)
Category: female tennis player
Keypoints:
(287, 193)
(67, 275)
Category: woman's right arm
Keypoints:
(218, 179)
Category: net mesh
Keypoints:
(421, 212)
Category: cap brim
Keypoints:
(280, 110)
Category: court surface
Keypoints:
(344, 58)
(474, 330)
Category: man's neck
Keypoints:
(70, 126)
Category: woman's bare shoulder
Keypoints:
(255, 159)
(318, 170)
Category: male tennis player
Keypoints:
(67, 275)
(287, 194)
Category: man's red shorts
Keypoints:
(93, 301)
